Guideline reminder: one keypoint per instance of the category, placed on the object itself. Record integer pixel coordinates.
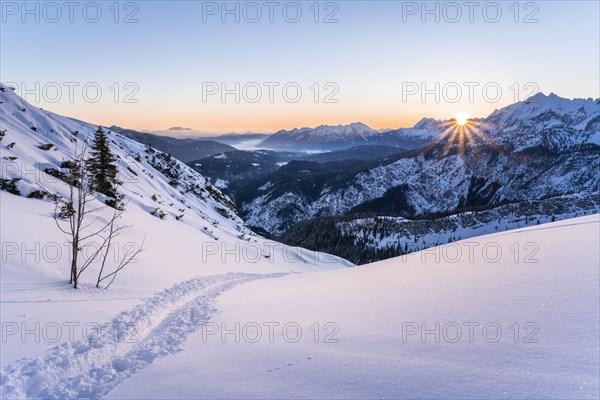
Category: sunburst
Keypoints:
(461, 119)
(462, 132)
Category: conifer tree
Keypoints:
(102, 166)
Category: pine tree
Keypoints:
(102, 166)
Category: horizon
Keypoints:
(453, 117)
(192, 132)
(338, 62)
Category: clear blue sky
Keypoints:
(373, 51)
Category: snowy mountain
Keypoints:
(194, 247)
(167, 202)
(543, 147)
(412, 138)
(363, 239)
(233, 171)
(323, 136)
(551, 121)
(37, 144)
(339, 137)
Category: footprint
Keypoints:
(287, 365)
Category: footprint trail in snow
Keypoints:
(151, 330)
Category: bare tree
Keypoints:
(82, 229)
(75, 210)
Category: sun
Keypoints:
(461, 134)
(461, 119)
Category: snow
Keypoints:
(220, 183)
(208, 242)
(117, 349)
(555, 302)
(167, 346)
(152, 334)
(414, 235)
(137, 168)
(542, 118)
(34, 269)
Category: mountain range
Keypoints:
(543, 147)
(340, 137)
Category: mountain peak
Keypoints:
(359, 124)
(538, 95)
(549, 99)
(426, 123)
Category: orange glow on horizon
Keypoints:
(242, 119)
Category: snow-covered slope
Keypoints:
(36, 143)
(549, 121)
(199, 247)
(511, 315)
(502, 321)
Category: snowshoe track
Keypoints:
(151, 330)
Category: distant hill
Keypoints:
(183, 149)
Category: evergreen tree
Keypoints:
(102, 166)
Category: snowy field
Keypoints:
(375, 345)
(82, 343)
(509, 315)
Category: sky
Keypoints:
(269, 65)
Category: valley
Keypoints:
(231, 231)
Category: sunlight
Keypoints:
(462, 133)
(461, 119)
